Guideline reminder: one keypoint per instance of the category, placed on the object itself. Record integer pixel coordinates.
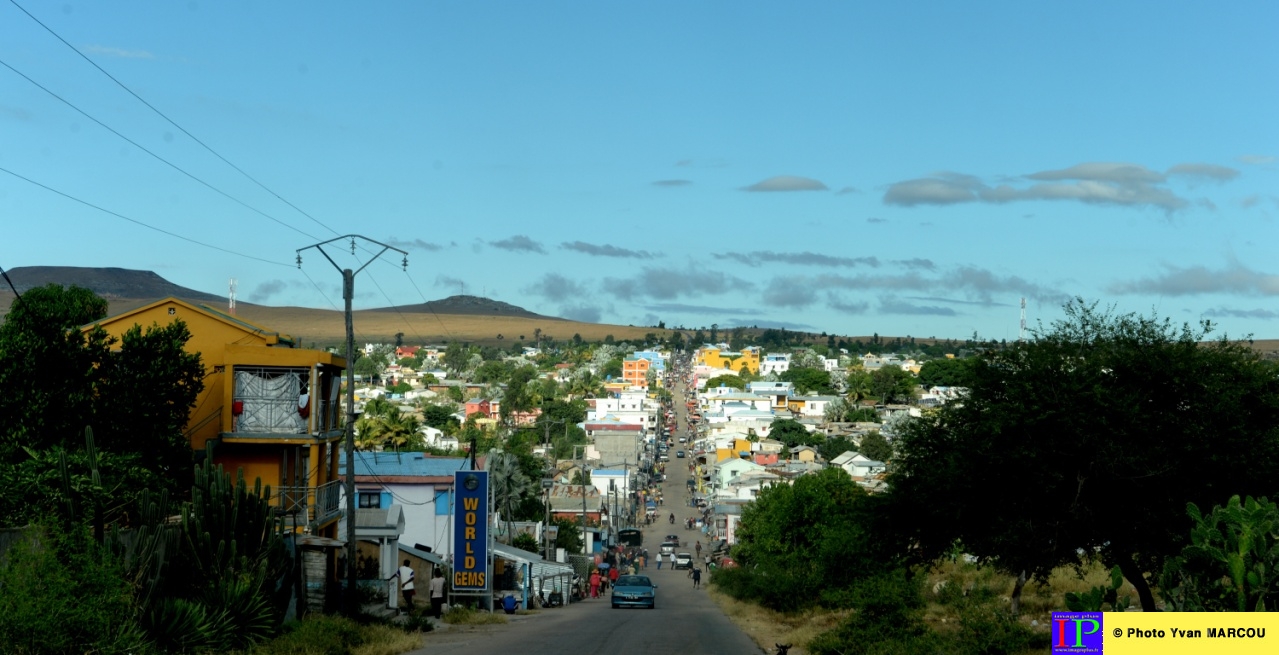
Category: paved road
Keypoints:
(685, 620)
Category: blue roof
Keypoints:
(369, 463)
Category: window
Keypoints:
(442, 502)
(370, 499)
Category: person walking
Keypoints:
(437, 593)
(660, 557)
(405, 574)
(697, 577)
(595, 584)
(698, 548)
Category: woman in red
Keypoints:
(612, 575)
(595, 584)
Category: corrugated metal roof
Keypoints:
(404, 464)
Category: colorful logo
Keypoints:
(1076, 632)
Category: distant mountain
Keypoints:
(465, 305)
(110, 283)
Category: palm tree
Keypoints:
(508, 482)
(858, 385)
(368, 432)
(401, 430)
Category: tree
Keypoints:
(857, 385)
(440, 418)
(892, 384)
(57, 379)
(456, 357)
(792, 433)
(509, 484)
(366, 367)
(808, 380)
(734, 381)
(876, 447)
(946, 372)
(802, 544)
(1090, 439)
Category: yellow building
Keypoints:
(712, 357)
(268, 407)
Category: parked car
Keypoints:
(683, 560)
(634, 591)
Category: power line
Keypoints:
(137, 222)
(171, 121)
(149, 152)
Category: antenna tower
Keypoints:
(1021, 336)
(231, 296)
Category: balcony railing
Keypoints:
(307, 507)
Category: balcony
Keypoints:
(307, 507)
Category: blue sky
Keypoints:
(900, 168)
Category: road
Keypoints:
(685, 621)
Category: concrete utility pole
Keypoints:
(348, 293)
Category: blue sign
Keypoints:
(470, 531)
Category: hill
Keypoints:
(465, 306)
(110, 283)
(464, 318)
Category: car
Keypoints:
(634, 591)
(663, 458)
(679, 454)
(683, 560)
(673, 539)
(683, 439)
(667, 548)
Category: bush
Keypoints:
(461, 615)
(319, 635)
(887, 620)
(62, 593)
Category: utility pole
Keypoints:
(348, 293)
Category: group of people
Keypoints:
(406, 575)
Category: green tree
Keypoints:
(734, 381)
(1089, 439)
(456, 357)
(792, 433)
(809, 380)
(946, 372)
(802, 544)
(441, 418)
(367, 368)
(508, 483)
(892, 385)
(876, 447)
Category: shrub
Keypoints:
(319, 635)
(462, 615)
(887, 620)
(62, 593)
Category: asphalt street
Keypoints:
(685, 620)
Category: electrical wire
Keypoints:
(137, 222)
(153, 154)
(170, 120)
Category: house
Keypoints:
(635, 371)
(714, 357)
(269, 408)
(421, 484)
(864, 470)
(776, 363)
(805, 454)
(482, 406)
(814, 406)
(778, 393)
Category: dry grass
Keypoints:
(768, 628)
(468, 616)
(327, 327)
(386, 640)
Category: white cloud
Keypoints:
(787, 183)
(108, 51)
(1235, 278)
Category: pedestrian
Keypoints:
(437, 593)
(405, 574)
(659, 561)
(613, 574)
(697, 578)
(595, 584)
